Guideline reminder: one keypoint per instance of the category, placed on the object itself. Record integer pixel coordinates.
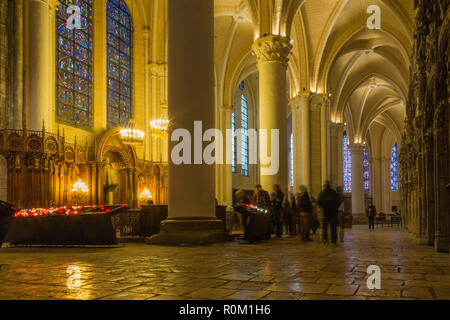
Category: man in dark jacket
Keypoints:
(371, 214)
(304, 205)
(328, 201)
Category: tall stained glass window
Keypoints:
(119, 64)
(291, 160)
(394, 168)
(74, 65)
(347, 160)
(244, 129)
(366, 170)
(233, 143)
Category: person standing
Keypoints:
(277, 205)
(328, 201)
(371, 214)
(261, 197)
(304, 205)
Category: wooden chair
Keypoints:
(380, 219)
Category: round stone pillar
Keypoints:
(39, 63)
(305, 110)
(191, 66)
(272, 53)
(358, 207)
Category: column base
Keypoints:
(441, 246)
(359, 219)
(189, 232)
(423, 240)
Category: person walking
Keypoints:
(371, 214)
(328, 201)
(304, 206)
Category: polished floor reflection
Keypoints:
(280, 269)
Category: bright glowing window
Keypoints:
(119, 64)
(244, 129)
(366, 170)
(394, 168)
(233, 142)
(74, 66)
(347, 162)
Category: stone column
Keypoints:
(298, 143)
(227, 170)
(191, 186)
(336, 130)
(377, 179)
(272, 53)
(154, 75)
(147, 111)
(17, 98)
(386, 185)
(358, 208)
(39, 63)
(324, 140)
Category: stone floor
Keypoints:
(280, 269)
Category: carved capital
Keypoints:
(356, 148)
(272, 48)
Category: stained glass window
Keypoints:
(366, 170)
(394, 169)
(244, 128)
(119, 64)
(74, 65)
(347, 160)
(233, 143)
(291, 160)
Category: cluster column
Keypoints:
(191, 195)
(358, 208)
(272, 53)
(297, 137)
(336, 134)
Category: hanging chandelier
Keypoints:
(159, 127)
(132, 136)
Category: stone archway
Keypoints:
(118, 174)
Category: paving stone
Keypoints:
(282, 296)
(248, 295)
(417, 292)
(335, 280)
(346, 290)
(211, 293)
(298, 287)
(330, 297)
(384, 293)
(128, 296)
(442, 293)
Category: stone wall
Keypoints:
(424, 157)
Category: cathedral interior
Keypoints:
(358, 91)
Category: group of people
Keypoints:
(298, 209)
